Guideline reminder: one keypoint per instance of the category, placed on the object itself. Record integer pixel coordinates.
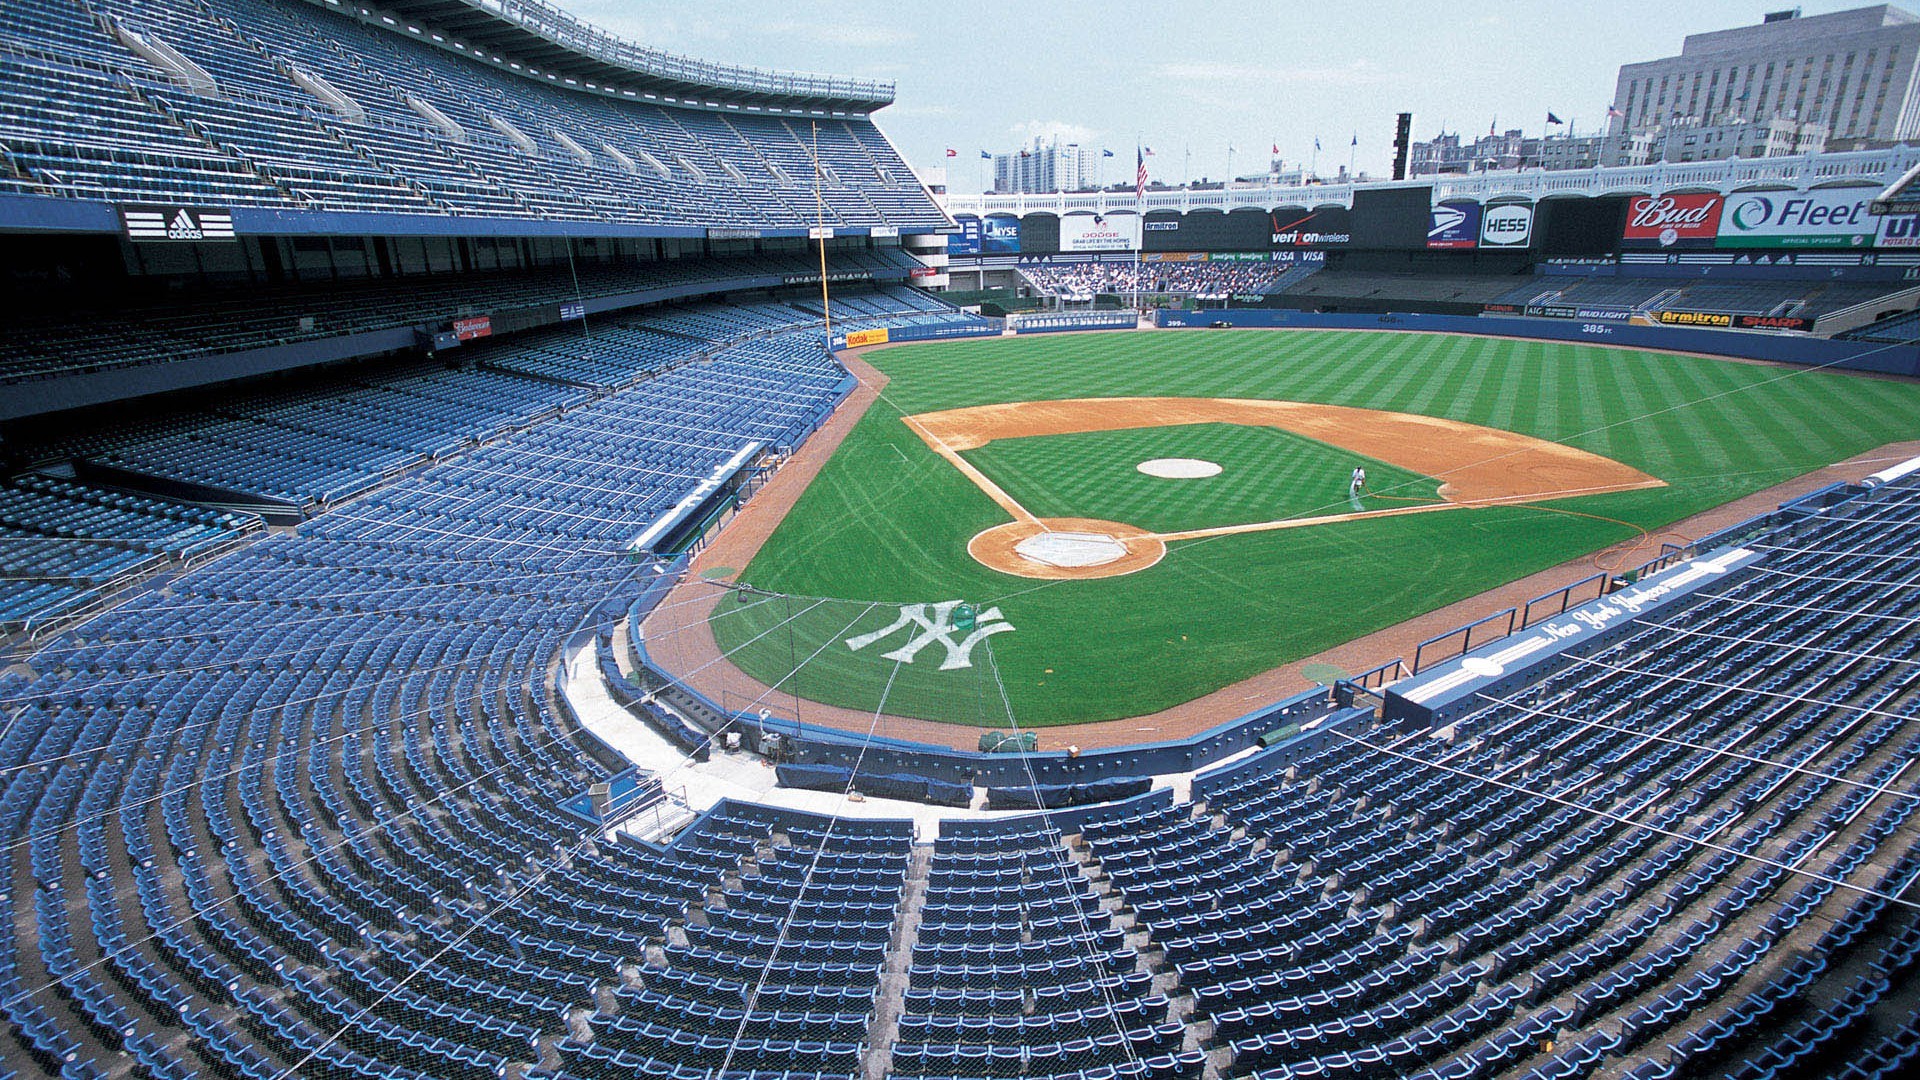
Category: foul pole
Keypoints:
(820, 233)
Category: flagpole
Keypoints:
(1140, 218)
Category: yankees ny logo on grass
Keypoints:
(946, 619)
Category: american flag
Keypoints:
(1139, 173)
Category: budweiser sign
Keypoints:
(1673, 220)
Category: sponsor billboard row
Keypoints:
(1453, 225)
(1672, 221)
(1832, 218)
(1827, 218)
(1509, 226)
(1099, 232)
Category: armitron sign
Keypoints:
(1693, 318)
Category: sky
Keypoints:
(1189, 79)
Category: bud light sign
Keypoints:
(1670, 221)
(1899, 231)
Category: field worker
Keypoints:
(1358, 481)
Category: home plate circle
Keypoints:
(1179, 468)
(1070, 549)
(1066, 548)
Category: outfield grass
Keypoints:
(1266, 474)
(887, 521)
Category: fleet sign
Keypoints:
(1825, 219)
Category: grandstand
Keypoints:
(333, 746)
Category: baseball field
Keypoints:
(1084, 527)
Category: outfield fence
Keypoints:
(1875, 356)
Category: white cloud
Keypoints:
(1225, 78)
(829, 32)
(1050, 130)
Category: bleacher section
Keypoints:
(1902, 327)
(1209, 280)
(314, 787)
(303, 450)
(1804, 299)
(65, 545)
(1368, 285)
(287, 104)
(42, 340)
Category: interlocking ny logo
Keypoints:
(940, 626)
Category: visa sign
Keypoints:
(1826, 219)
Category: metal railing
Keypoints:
(1863, 167)
(561, 28)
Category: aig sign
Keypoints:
(1508, 226)
(1898, 231)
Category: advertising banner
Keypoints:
(1693, 318)
(1509, 226)
(1825, 219)
(1574, 311)
(857, 338)
(1772, 322)
(1172, 256)
(1099, 232)
(999, 235)
(1669, 221)
(478, 326)
(1454, 225)
(967, 240)
(151, 222)
(1899, 231)
(572, 311)
(1329, 227)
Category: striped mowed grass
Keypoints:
(887, 521)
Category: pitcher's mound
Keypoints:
(1066, 548)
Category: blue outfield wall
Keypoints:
(1886, 359)
(902, 335)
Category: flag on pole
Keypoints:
(1106, 153)
(984, 156)
(951, 152)
(1316, 144)
(1552, 119)
(1140, 172)
(1356, 139)
(1276, 148)
(1615, 114)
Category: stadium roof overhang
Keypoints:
(542, 42)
